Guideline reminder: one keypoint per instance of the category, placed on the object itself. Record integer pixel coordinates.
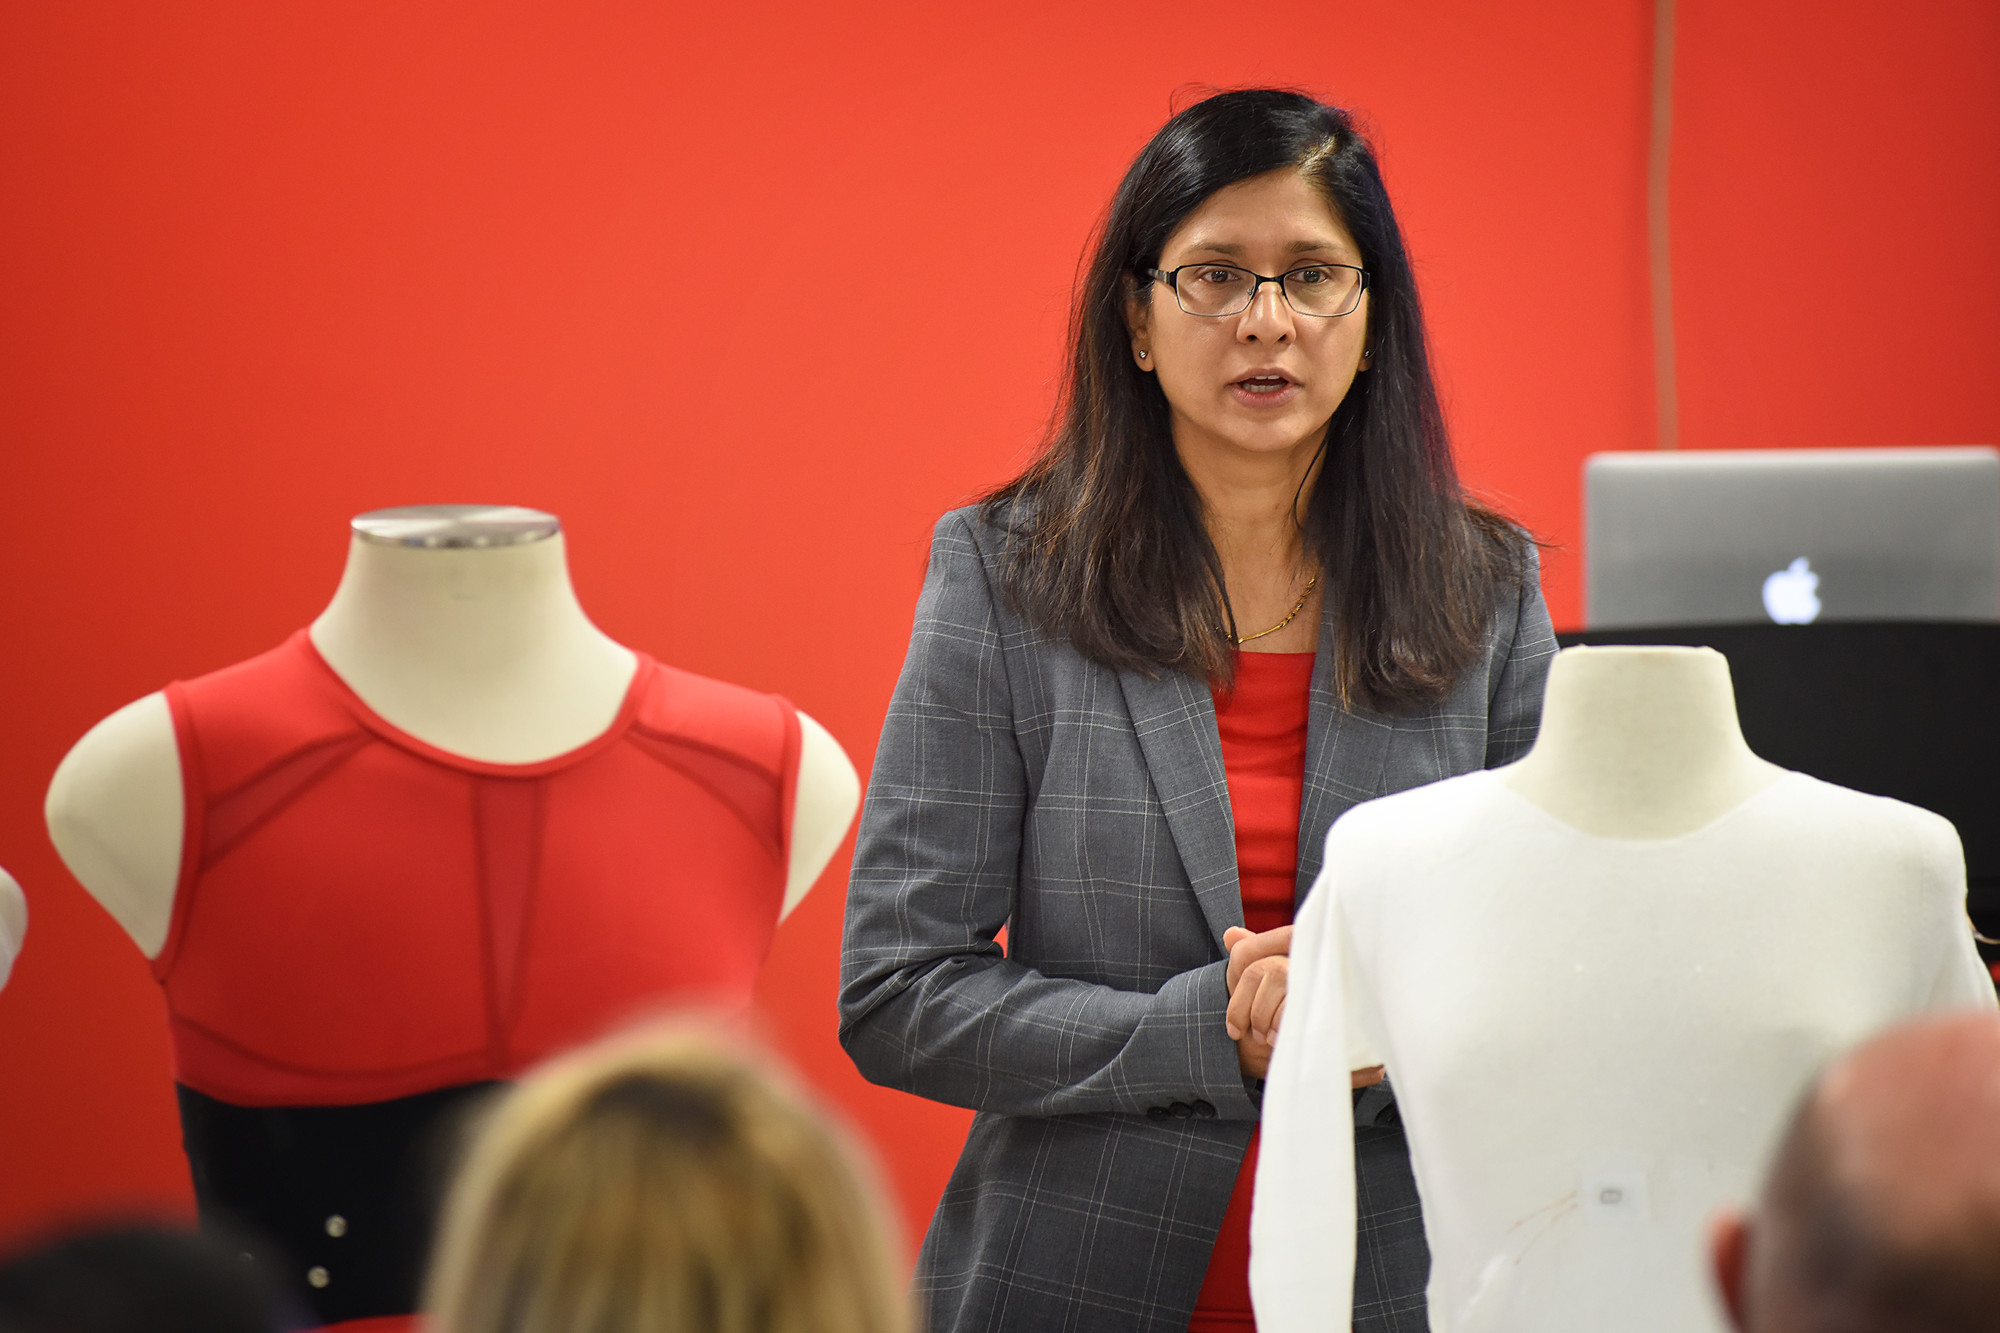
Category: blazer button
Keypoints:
(1182, 1110)
(1204, 1110)
(1158, 1113)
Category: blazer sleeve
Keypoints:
(929, 1003)
(1519, 673)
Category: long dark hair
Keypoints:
(1108, 548)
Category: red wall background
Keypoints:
(749, 293)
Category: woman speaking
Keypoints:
(1239, 591)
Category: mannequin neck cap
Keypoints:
(455, 527)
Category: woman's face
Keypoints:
(1265, 381)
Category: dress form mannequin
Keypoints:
(1599, 978)
(13, 924)
(458, 624)
(450, 830)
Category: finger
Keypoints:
(1243, 1003)
(1237, 1015)
(1270, 994)
(1236, 1019)
(1254, 1056)
(1232, 937)
(1252, 946)
(1261, 944)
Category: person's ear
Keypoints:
(1139, 323)
(1729, 1260)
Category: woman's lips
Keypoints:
(1263, 390)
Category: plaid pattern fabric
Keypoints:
(1018, 784)
(1392, 1262)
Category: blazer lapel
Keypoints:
(1345, 757)
(1174, 717)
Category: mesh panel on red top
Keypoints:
(361, 917)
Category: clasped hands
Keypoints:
(1259, 968)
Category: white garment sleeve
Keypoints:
(1302, 1216)
(1963, 981)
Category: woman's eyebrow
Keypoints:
(1236, 251)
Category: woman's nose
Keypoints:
(1269, 318)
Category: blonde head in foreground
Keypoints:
(655, 1183)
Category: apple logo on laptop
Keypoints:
(1792, 594)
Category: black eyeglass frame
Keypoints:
(1171, 276)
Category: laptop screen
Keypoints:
(1791, 536)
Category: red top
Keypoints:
(361, 916)
(1263, 726)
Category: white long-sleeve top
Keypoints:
(1594, 1042)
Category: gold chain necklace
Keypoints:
(1290, 616)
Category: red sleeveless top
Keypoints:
(1262, 722)
(361, 916)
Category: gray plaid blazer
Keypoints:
(1019, 784)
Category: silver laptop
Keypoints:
(1791, 535)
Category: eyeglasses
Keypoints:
(1323, 291)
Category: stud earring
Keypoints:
(1142, 356)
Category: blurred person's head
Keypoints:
(1881, 1213)
(653, 1184)
(134, 1278)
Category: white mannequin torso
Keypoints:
(483, 652)
(1639, 743)
(1598, 978)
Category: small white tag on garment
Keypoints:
(1614, 1194)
